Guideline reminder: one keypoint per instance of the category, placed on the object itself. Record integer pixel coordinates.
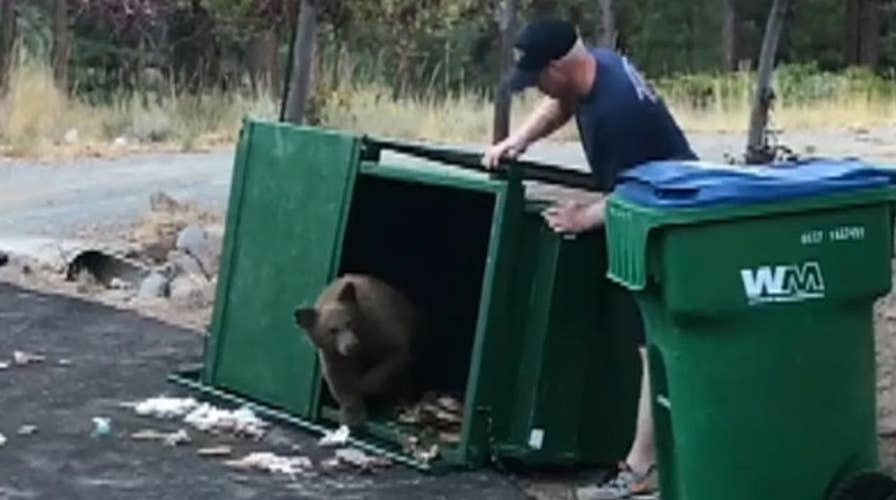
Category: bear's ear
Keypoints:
(348, 294)
(306, 317)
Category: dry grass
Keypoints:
(39, 121)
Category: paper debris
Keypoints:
(22, 358)
(165, 407)
(449, 437)
(215, 451)
(242, 421)
(361, 460)
(336, 438)
(27, 430)
(450, 404)
(205, 417)
(272, 463)
(169, 438)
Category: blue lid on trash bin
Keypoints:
(676, 184)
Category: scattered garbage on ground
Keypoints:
(215, 451)
(23, 358)
(165, 407)
(359, 459)
(203, 416)
(168, 438)
(102, 426)
(427, 426)
(240, 422)
(27, 430)
(335, 438)
(2, 440)
(273, 463)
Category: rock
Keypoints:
(202, 246)
(154, 285)
(185, 264)
(71, 136)
(192, 239)
(162, 202)
(120, 142)
(190, 291)
(4, 258)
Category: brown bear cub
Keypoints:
(364, 331)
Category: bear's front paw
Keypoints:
(353, 414)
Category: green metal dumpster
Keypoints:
(757, 303)
(547, 374)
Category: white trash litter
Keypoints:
(241, 422)
(165, 407)
(273, 463)
(336, 438)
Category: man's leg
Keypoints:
(642, 455)
(636, 477)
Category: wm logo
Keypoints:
(793, 283)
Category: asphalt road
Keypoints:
(117, 356)
(52, 200)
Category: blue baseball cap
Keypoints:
(539, 43)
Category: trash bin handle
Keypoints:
(532, 171)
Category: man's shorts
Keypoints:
(624, 313)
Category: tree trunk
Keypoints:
(762, 100)
(264, 64)
(869, 38)
(61, 44)
(302, 63)
(729, 35)
(852, 41)
(607, 24)
(8, 26)
(503, 97)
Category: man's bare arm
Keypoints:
(550, 115)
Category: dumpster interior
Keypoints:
(431, 242)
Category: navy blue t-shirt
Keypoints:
(623, 123)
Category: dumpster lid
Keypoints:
(685, 193)
(676, 184)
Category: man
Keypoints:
(622, 123)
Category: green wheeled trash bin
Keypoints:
(756, 287)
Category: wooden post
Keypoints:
(607, 24)
(729, 35)
(503, 97)
(764, 94)
(62, 45)
(303, 58)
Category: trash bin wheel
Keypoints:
(865, 486)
